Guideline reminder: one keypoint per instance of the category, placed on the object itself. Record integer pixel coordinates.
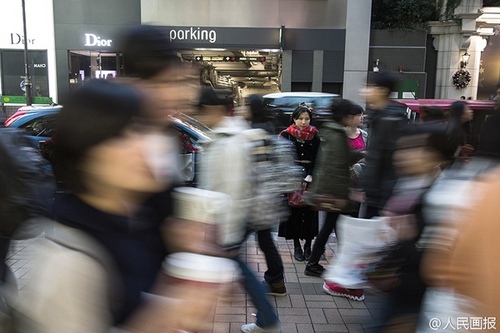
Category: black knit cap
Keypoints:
(146, 51)
(385, 80)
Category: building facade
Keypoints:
(254, 45)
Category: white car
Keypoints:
(280, 106)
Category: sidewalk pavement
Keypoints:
(305, 309)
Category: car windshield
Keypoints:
(293, 102)
(194, 125)
(40, 126)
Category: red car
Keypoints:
(482, 109)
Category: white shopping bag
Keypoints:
(360, 243)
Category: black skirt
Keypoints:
(302, 223)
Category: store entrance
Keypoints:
(88, 64)
(244, 72)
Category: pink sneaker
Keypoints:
(337, 290)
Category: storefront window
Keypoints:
(13, 72)
(85, 65)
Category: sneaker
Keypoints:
(314, 270)
(337, 290)
(298, 254)
(276, 288)
(253, 328)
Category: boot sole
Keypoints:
(312, 274)
(277, 294)
(333, 293)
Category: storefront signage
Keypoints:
(94, 40)
(193, 34)
(223, 37)
(227, 58)
(19, 39)
(22, 99)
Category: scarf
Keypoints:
(305, 134)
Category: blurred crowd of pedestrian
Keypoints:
(130, 248)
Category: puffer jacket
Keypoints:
(332, 174)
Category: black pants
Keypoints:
(274, 263)
(4, 250)
(323, 235)
(370, 212)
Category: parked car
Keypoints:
(25, 110)
(482, 109)
(40, 126)
(37, 125)
(280, 106)
(192, 136)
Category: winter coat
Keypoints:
(332, 175)
(224, 167)
(378, 176)
(93, 269)
(306, 151)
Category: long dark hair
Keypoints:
(456, 129)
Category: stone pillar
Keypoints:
(286, 71)
(447, 41)
(317, 77)
(357, 46)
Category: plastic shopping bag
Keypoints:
(361, 243)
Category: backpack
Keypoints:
(27, 183)
(273, 173)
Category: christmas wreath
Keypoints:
(461, 79)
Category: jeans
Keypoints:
(266, 315)
(322, 238)
(274, 263)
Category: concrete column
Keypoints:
(477, 45)
(451, 41)
(317, 79)
(447, 41)
(286, 71)
(357, 45)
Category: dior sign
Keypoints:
(94, 40)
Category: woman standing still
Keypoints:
(302, 223)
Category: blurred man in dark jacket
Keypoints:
(385, 121)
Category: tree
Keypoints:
(403, 14)
(414, 14)
(491, 3)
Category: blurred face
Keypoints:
(303, 120)
(416, 161)
(172, 90)
(209, 115)
(136, 162)
(467, 115)
(373, 94)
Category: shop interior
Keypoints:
(240, 72)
